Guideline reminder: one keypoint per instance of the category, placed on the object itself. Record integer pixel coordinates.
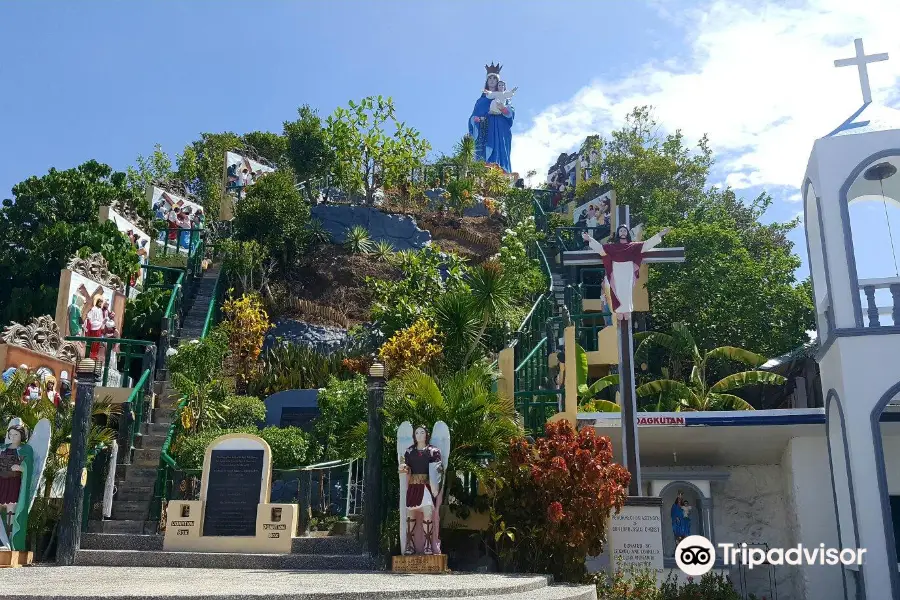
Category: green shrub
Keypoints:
(244, 411)
(188, 450)
(291, 446)
(343, 406)
(295, 367)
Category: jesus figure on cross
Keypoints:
(622, 262)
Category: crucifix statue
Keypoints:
(622, 259)
(860, 61)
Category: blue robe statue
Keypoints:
(681, 525)
(493, 135)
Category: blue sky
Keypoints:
(109, 80)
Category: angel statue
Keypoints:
(423, 461)
(22, 460)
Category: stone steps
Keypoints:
(221, 560)
(331, 545)
(132, 526)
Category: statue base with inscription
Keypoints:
(634, 536)
(420, 563)
(15, 558)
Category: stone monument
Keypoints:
(234, 513)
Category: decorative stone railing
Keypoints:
(875, 312)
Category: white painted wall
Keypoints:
(811, 515)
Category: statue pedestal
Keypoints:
(634, 536)
(420, 563)
(15, 558)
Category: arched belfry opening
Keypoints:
(873, 200)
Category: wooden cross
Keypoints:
(627, 394)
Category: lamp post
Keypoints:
(73, 498)
(373, 503)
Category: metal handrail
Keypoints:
(136, 399)
(210, 311)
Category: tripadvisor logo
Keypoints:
(695, 555)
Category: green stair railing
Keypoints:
(536, 397)
(167, 464)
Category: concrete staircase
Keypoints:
(132, 550)
(135, 481)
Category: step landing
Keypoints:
(108, 583)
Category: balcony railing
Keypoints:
(881, 298)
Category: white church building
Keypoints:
(811, 476)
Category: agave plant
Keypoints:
(382, 251)
(318, 235)
(358, 240)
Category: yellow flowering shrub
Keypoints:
(247, 324)
(415, 346)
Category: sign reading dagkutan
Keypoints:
(661, 421)
(642, 421)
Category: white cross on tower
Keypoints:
(861, 60)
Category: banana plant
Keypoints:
(696, 394)
(587, 393)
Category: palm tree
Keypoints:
(480, 421)
(696, 393)
(491, 293)
(458, 325)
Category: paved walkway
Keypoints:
(106, 583)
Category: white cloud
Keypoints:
(757, 77)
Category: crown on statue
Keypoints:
(493, 69)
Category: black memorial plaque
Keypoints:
(232, 494)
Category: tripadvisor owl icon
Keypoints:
(695, 555)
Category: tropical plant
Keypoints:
(243, 411)
(491, 293)
(426, 275)
(382, 251)
(196, 370)
(696, 393)
(342, 405)
(518, 205)
(458, 325)
(480, 421)
(464, 156)
(307, 148)
(524, 274)
(318, 235)
(413, 347)
(274, 214)
(291, 446)
(460, 195)
(555, 495)
(366, 156)
(295, 367)
(358, 240)
(247, 265)
(494, 181)
(246, 325)
(144, 313)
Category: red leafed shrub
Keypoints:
(552, 501)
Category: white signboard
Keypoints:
(635, 539)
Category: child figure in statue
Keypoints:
(13, 469)
(420, 497)
(499, 98)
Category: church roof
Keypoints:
(869, 118)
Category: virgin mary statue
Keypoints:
(492, 132)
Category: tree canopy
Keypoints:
(738, 285)
(47, 221)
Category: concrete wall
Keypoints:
(750, 507)
(305, 401)
(811, 515)
(400, 230)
